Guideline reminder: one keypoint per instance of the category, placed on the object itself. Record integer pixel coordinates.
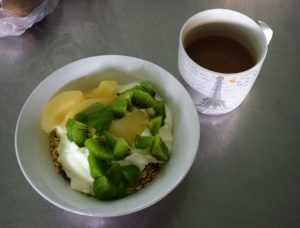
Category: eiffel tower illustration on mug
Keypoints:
(214, 101)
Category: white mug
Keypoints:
(219, 93)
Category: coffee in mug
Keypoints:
(220, 55)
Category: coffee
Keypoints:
(220, 54)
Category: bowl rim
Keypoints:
(101, 214)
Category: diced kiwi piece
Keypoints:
(103, 140)
(121, 148)
(143, 89)
(160, 110)
(130, 175)
(104, 189)
(102, 121)
(89, 112)
(97, 167)
(119, 108)
(121, 190)
(148, 86)
(77, 132)
(142, 99)
(142, 142)
(114, 173)
(96, 116)
(159, 149)
(154, 125)
(111, 139)
(126, 95)
(101, 151)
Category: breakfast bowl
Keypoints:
(32, 143)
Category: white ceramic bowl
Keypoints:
(32, 148)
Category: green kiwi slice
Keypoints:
(159, 149)
(160, 110)
(97, 167)
(142, 99)
(121, 149)
(130, 175)
(96, 116)
(77, 132)
(142, 142)
(114, 173)
(104, 189)
(119, 108)
(100, 150)
(154, 125)
(148, 87)
(126, 96)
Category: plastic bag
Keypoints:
(14, 25)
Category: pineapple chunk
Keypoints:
(104, 89)
(57, 108)
(87, 103)
(129, 126)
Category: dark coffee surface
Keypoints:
(220, 54)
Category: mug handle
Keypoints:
(266, 30)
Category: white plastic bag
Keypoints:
(12, 25)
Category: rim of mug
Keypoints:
(260, 59)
